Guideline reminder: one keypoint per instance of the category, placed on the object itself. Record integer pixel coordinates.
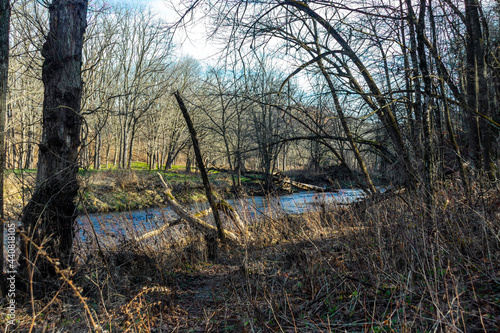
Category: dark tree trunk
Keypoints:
(417, 101)
(428, 147)
(50, 214)
(97, 152)
(29, 151)
(4, 68)
(106, 157)
(201, 167)
(239, 167)
(169, 162)
(480, 36)
(188, 161)
(437, 121)
(474, 72)
(131, 146)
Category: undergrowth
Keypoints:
(384, 266)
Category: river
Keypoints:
(117, 225)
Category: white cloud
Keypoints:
(190, 40)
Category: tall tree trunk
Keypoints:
(29, 149)
(479, 33)
(239, 167)
(97, 152)
(131, 146)
(475, 64)
(4, 69)
(410, 108)
(437, 110)
(108, 148)
(20, 151)
(417, 100)
(428, 148)
(169, 161)
(124, 147)
(49, 217)
(11, 147)
(188, 160)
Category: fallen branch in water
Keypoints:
(233, 215)
(193, 221)
(167, 225)
(158, 231)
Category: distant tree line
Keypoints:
(418, 79)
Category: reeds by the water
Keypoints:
(390, 266)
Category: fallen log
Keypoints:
(193, 221)
(222, 205)
(303, 185)
(278, 177)
(230, 212)
(158, 231)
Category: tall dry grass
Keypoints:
(385, 266)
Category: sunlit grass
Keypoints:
(380, 267)
(19, 171)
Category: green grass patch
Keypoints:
(20, 171)
(178, 167)
(139, 166)
(173, 176)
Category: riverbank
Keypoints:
(124, 190)
(103, 191)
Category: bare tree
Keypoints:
(25, 88)
(49, 216)
(223, 108)
(142, 59)
(4, 69)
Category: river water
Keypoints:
(137, 222)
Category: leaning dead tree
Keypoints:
(201, 166)
(196, 223)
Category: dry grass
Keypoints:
(385, 267)
(17, 191)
